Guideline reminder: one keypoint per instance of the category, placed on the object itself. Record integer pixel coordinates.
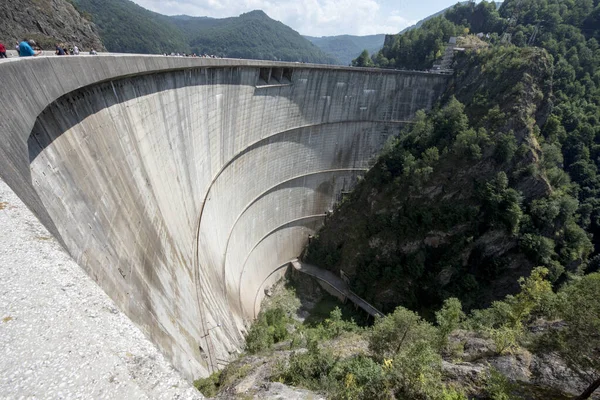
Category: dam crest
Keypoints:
(184, 186)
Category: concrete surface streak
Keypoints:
(337, 283)
(184, 186)
(61, 337)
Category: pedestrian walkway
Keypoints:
(337, 283)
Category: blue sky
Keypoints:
(314, 17)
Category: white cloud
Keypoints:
(309, 17)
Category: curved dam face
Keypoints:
(185, 186)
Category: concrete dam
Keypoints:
(184, 186)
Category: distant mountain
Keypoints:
(128, 28)
(345, 48)
(251, 35)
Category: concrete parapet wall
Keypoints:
(184, 186)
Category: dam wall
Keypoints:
(184, 186)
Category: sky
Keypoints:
(314, 17)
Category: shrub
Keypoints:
(209, 386)
(497, 386)
(310, 369)
(268, 329)
(416, 372)
(448, 319)
(397, 330)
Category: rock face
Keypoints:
(533, 375)
(47, 22)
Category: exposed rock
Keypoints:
(514, 366)
(473, 347)
(469, 375)
(551, 371)
(47, 22)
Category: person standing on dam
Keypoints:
(2, 51)
(26, 49)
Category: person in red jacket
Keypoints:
(2, 51)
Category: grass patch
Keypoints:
(210, 386)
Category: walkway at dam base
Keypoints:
(184, 186)
(335, 286)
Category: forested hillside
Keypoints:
(251, 35)
(500, 178)
(128, 28)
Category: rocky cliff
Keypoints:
(451, 208)
(47, 22)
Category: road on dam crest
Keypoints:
(184, 186)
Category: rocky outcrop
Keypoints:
(423, 228)
(536, 376)
(47, 22)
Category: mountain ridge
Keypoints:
(129, 28)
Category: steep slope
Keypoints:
(345, 48)
(500, 179)
(438, 216)
(48, 22)
(126, 27)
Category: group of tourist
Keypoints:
(191, 55)
(28, 48)
(62, 50)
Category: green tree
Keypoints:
(363, 60)
(448, 318)
(397, 330)
(579, 341)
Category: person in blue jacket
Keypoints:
(26, 49)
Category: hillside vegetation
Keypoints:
(500, 178)
(128, 28)
(508, 351)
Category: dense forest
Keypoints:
(500, 178)
(126, 27)
(519, 130)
